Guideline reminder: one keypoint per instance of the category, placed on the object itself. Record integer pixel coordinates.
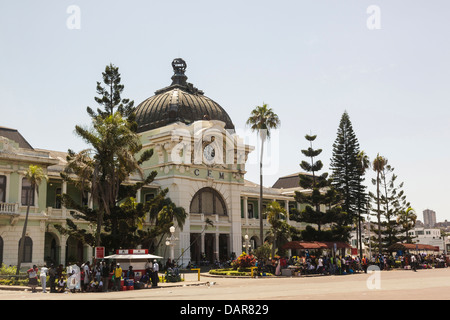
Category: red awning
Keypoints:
(311, 245)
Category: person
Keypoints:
(33, 278)
(97, 272)
(130, 273)
(155, 276)
(87, 274)
(169, 264)
(117, 277)
(149, 266)
(59, 271)
(413, 263)
(43, 276)
(62, 284)
(320, 265)
(105, 276)
(52, 278)
(278, 269)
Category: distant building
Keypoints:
(429, 236)
(429, 218)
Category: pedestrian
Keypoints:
(87, 274)
(155, 276)
(62, 284)
(130, 273)
(117, 277)
(52, 278)
(105, 276)
(413, 263)
(43, 276)
(33, 278)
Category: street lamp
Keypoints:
(170, 241)
(246, 246)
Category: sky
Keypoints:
(386, 63)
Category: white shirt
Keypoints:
(155, 266)
(44, 271)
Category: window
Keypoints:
(28, 250)
(2, 188)
(27, 193)
(251, 213)
(58, 198)
(208, 201)
(149, 196)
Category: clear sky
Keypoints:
(309, 60)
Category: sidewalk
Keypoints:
(190, 279)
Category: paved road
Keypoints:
(387, 285)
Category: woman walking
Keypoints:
(33, 278)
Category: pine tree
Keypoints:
(321, 199)
(347, 175)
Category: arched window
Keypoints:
(28, 249)
(208, 201)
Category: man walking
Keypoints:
(413, 263)
(52, 278)
(105, 277)
(155, 276)
(117, 277)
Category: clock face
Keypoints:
(209, 153)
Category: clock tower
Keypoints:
(201, 161)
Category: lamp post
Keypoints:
(246, 245)
(170, 242)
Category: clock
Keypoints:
(209, 153)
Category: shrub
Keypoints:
(244, 261)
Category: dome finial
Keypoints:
(179, 67)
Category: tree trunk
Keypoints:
(261, 226)
(379, 213)
(24, 231)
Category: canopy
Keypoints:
(311, 245)
(133, 256)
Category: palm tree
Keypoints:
(279, 229)
(262, 119)
(378, 166)
(109, 162)
(34, 175)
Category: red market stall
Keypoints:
(137, 258)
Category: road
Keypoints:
(386, 285)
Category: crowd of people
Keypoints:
(307, 264)
(102, 276)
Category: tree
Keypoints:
(378, 166)
(346, 173)
(407, 220)
(393, 200)
(262, 119)
(321, 199)
(114, 155)
(35, 175)
(363, 165)
(279, 228)
(110, 95)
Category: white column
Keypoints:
(286, 204)
(63, 207)
(246, 210)
(217, 244)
